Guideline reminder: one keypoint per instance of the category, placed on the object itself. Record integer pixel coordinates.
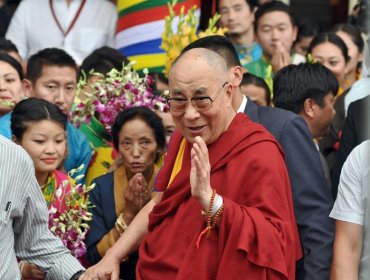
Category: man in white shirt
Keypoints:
(77, 26)
(24, 221)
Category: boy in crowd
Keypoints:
(276, 31)
(238, 17)
(52, 75)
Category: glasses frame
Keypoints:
(192, 101)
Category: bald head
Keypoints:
(193, 57)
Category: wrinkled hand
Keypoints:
(200, 173)
(32, 271)
(107, 268)
(136, 194)
(280, 58)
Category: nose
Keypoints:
(49, 149)
(231, 14)
(136, 150)
(60, 98)
(327, 65)
(275, 34)
(2, 85)
(191, 112)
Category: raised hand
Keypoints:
(136, 196)
(200, 173)
(280, 58)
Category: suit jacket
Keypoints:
(356, 129)
(312, 199)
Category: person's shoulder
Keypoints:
(256, 63)
(13, 153)
(362, 150)
(249, 130)
(74, 132)
(257, 67)
(360, 102)
(104, 180)
(277, 116)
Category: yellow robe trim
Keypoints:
(340, 92)
(120, 182)
(178, 162)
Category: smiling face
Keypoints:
(332, 58)
(201, 73)
(137, 147)
(236, 16)
(56, 85)
(275, 31)
(10, 86)
(45, 142)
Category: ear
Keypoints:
(236, 75)
(229, 93)
(295, 33)
(253, 13)
(308, 109)
(360, 57)
(27, 87)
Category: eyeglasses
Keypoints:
(200, 103)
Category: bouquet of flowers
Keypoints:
(71, 223)
(113, 93)
(173, 42)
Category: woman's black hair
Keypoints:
(33, 110)
(352, 31)
(332, 38)
(250, 79)
(12, 62)
(145, 114)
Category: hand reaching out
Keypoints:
(200, 173)
(107, 268)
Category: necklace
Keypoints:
(65, 33)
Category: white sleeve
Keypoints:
(349, 205)
(17, 30)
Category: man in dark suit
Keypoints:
(356, 129)
(311, 193)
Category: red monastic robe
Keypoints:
(257, 236)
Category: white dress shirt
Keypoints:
(34, 28)
(242, 105)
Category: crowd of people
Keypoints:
(250, 160)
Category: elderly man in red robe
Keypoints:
(224, 207)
